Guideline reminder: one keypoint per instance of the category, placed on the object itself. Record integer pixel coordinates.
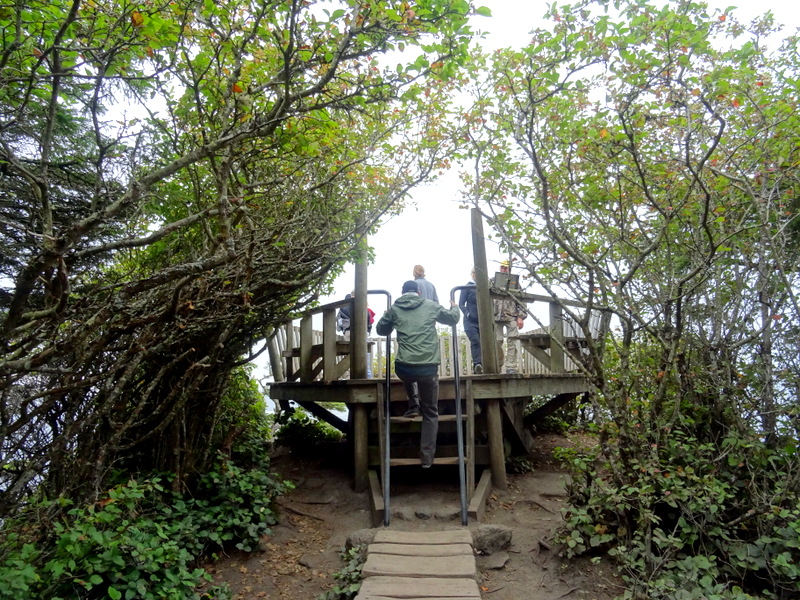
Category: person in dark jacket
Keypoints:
(417, 361)
(468, 303)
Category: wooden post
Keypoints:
(485, 307)
(360, 447)
(329, 346)
(276, 357)
(497, 456)
(381, 397)
(556, 338)
(358, 319)
(470, 440)
(290, 345)
(494, 420)
(306, 343)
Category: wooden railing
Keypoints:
(300, 353)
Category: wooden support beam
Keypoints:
(360, 449)
(537, 353)
(477, 505)
(376, 499)
(324, 414)
(515, 430)
(497, 459)
(549, 408)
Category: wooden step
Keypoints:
(393, 587)
(407, 462)
(481, 453)
(459, 566)
(418, 419)
(445, 536)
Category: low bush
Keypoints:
(140, 540)
(689, 521)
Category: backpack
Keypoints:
(343, 322)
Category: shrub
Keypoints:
(140, 540)
(689, 520)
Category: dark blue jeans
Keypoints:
(474, 337)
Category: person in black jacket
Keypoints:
(468, 303)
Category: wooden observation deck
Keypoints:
(313, 366)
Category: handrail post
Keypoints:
(306, 344)
(290, 341)
(557, 364)
(328, 345)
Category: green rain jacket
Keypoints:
(415, 320)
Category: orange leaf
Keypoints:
(137, 19)
(723, 17)
(237, 89)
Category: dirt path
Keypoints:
(303, 551)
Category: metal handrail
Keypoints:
(387, 414)
(462, 475)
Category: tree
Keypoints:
(178, 178)
(643, 159)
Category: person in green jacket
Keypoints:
(417, 361)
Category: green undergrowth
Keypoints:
(686, 520)
(349, 577)
(140, 540)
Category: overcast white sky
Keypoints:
(433, 231)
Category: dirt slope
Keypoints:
(303, 551)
